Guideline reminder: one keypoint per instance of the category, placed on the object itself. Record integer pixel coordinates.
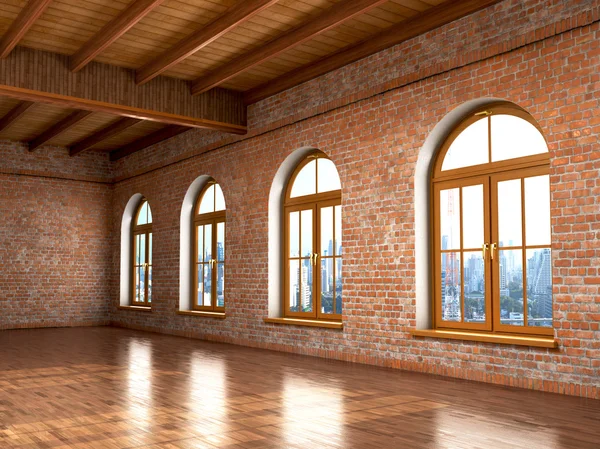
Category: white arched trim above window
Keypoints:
(126, 248)
(276, 199)
(423, 170)
(186, 243)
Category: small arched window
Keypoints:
(209, 252)
(492, 266)
(313, 241)
(142, 260)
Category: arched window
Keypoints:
(142, 260)
(209, 253)
(491, 226)
(313, 241)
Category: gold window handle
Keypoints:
(484, 248)
(213, 262)
(492, 249)
(313, 259)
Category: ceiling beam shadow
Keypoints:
(233, 17)
(102, 135)
(67, 123)
(113, 30)
(26, 18)
(332, 17)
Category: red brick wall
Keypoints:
(54, 237)
(374, 137)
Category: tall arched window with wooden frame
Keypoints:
(313, 241)
(209, 252)
(142, 252)
(492, 265)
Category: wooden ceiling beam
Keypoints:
(104, 134)
(28, 15)
(426, 21)
(14, 114)
(113, 30)
(67, 123)
(35, 75)
(117, 109)
(332, 17)
(149, 140)
(233, 17)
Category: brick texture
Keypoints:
(54, 238)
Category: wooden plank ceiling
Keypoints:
(226, 53)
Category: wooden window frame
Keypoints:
(314, 202)
(488, 174)
(146, 230)
(211, 219)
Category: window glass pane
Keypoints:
(474, 274)
(305, 183)
(515, 137)
(338, 230)
(306, 278)
(539, 287)
(150, 248)
(511, 287)
(220, 242)
(338, 285)
(469, 148)
(207, 204)
(537, 210)
(200, 274)
(149, 219)
(149, 284)
(142, 283)
(509, 213)
(294, 285)
(451, 286)
(472, 218)
(207, 243)
(219, 198)
(306, 240)
(137, 283)
(327, 231)
(200, 242)
(328, 177)
(450, 219)
(138, 255)
(207, 284)
(220, 285)
(143, 215)
(327, 291)
(142, 248)
(294, 224)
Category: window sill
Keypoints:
(310, 323)
(218, 315)
(507, 339)
(138, 308)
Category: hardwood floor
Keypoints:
(115, 388)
